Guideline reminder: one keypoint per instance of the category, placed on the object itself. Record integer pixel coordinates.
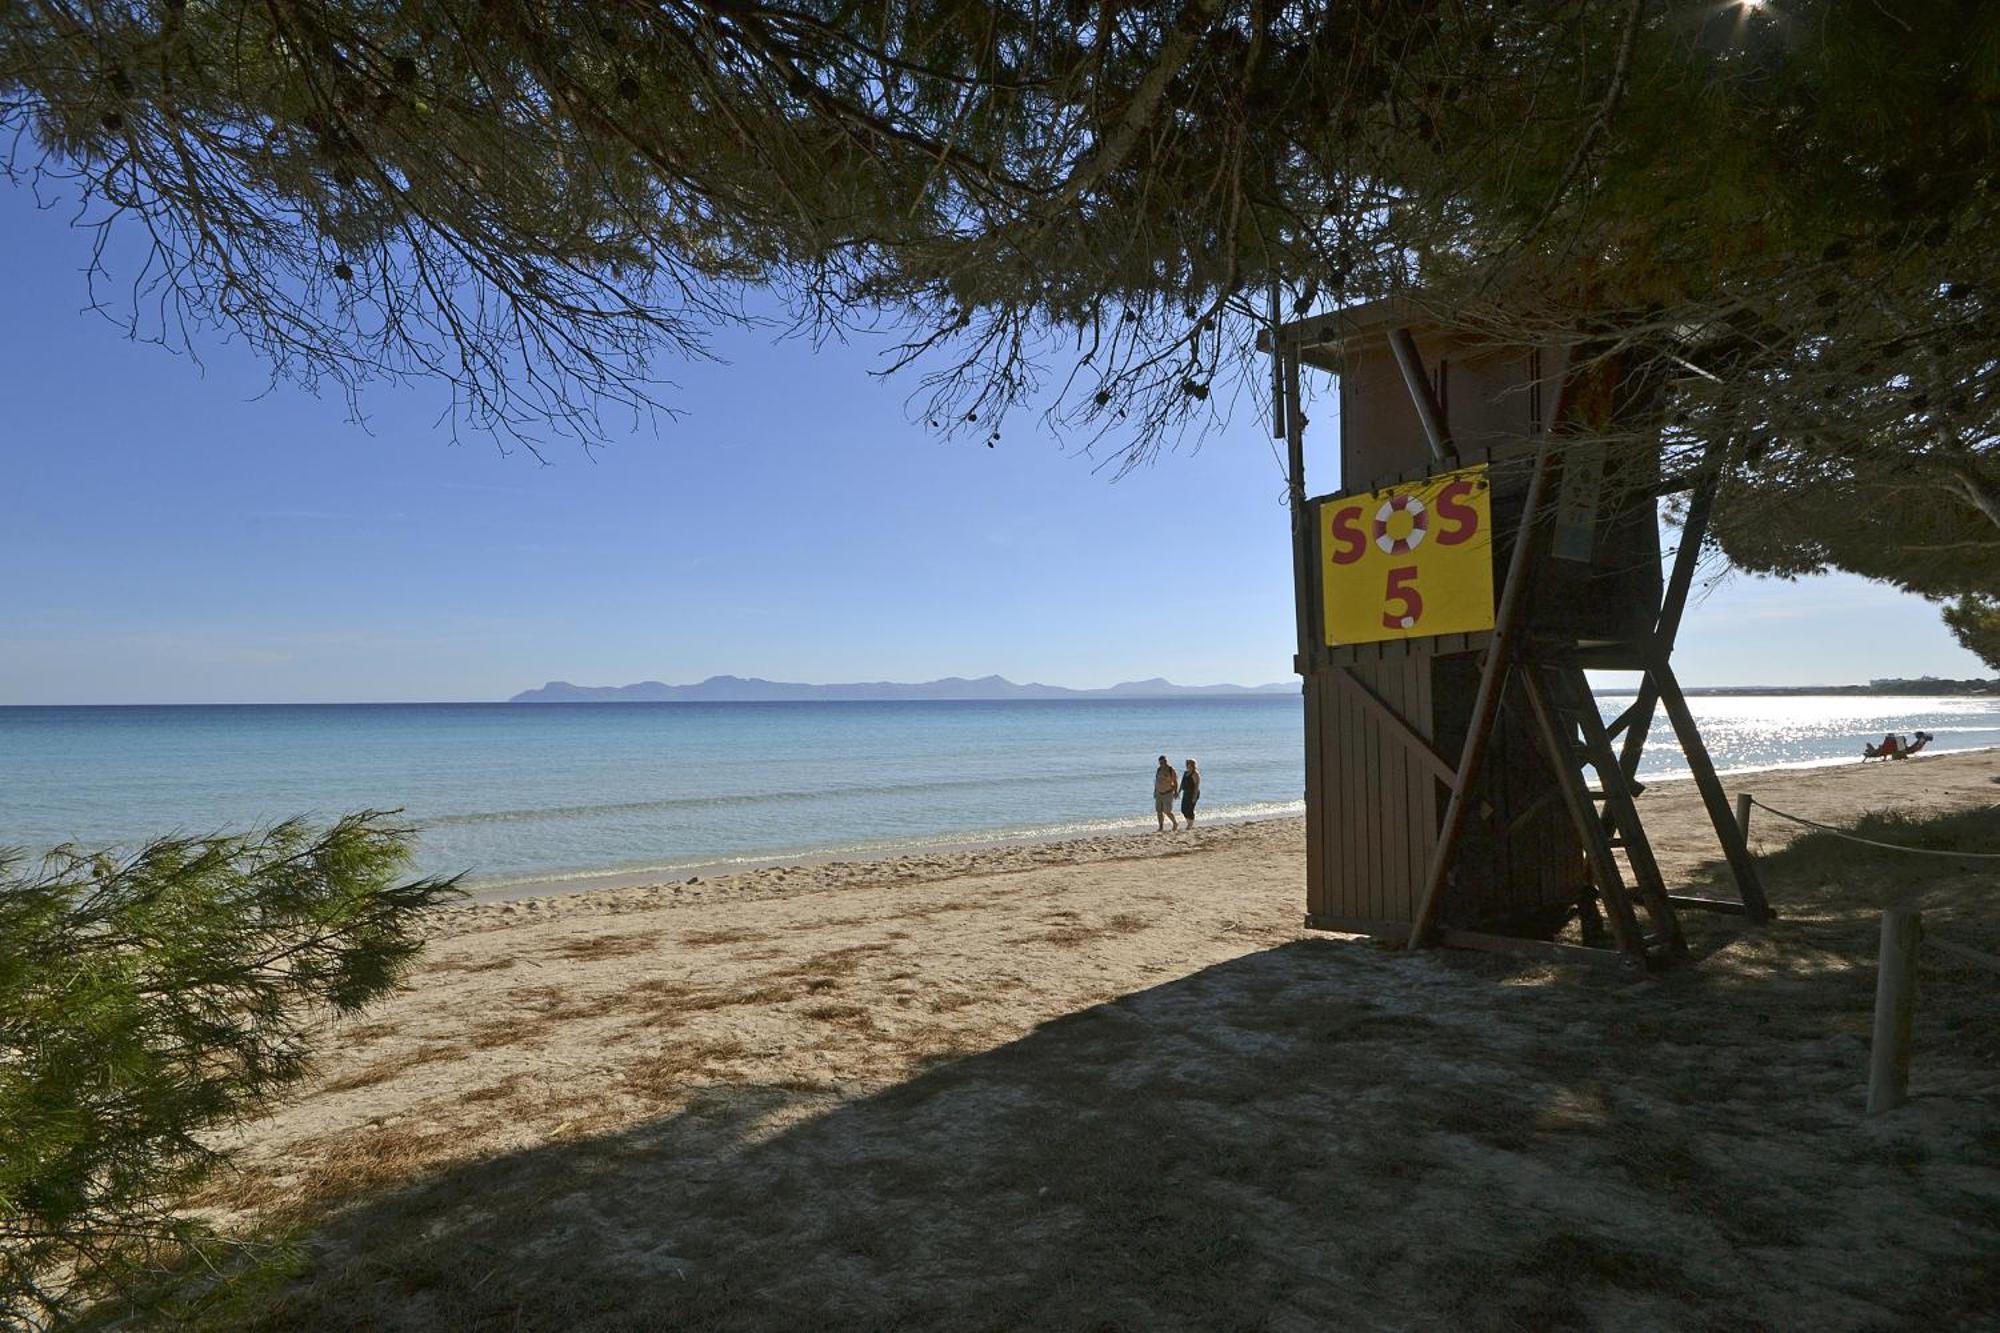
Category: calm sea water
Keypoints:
(525, 795)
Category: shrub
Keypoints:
(149, 998)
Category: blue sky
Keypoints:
(175, 533)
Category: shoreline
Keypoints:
(832, 874)
(615, 881)
(1673, 800)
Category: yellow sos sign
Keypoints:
(1408, 561)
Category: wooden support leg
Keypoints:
(1295, 494)
(1668, 623)
(1590, 920)
(1741, 865)
(1636, 730)
(1620, 816)
(1289, 421)
(1625, 928)
(1485, 705)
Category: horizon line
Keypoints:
(1751, 688)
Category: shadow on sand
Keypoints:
(1323, 1135)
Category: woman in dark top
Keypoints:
(1190, 792)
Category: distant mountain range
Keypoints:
(739, 689)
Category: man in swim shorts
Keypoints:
(1166, 785)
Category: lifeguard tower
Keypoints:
(1495, 534)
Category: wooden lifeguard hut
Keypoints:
(1494, 534)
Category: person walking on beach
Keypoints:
(1190, 792)
(1166, 784)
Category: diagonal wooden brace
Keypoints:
(1485, 704)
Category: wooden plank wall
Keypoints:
(1372, 810)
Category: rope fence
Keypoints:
(1896, 964)
(1870, 842)
(1903, 935)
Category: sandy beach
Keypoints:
(918, 1091)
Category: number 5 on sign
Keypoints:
(1409, 561)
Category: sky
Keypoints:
(182, 533)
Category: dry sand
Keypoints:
(1113, 1083)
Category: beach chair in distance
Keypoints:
(1895, 747)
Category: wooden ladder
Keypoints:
(1574, 737)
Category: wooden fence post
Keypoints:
(1743, 814)
(1895, 1006)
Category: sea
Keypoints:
(533, 798)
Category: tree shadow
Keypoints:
(1321, 1135)
(1830, 891)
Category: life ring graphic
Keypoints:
(1420, 522)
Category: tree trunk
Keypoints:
(1978, 487)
